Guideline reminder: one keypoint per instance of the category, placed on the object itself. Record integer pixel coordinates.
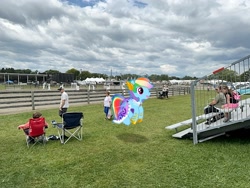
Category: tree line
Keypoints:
(82, 75)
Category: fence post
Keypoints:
(123, 93)
(33, 100)
(88, 96)
(156, 90)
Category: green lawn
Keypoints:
(111, 155)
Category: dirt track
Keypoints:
(29, 109)
(23, 109)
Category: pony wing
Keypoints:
(120, 108)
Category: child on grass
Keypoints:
(107, 104)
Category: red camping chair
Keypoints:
(36, 131)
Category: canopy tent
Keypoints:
(97, 80)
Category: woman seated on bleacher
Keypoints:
(215, 105)
(231, 102)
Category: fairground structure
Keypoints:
(236, 76)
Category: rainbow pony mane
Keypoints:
(139, 82)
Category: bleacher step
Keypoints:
(182, 133)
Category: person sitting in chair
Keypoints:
(25, 126)
(231, 102)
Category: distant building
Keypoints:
(61, 77)
(18, 78)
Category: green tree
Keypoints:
(75, 72)
(245, 76)
(154, 77)
(95, 75)
(227, 75)
(85, 74)
(51, 71)
(9, 70)
(174, 78)
(164, 77)
(189, 78)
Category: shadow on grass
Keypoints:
(134, 138)
(241, 135)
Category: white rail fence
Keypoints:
(17, 99)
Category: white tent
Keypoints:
(92, 80)
(100, 80)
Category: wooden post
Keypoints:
(88, 96)
(33, 100)
(157, 92)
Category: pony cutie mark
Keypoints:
(129, 110)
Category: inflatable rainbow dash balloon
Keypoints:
(129, 110)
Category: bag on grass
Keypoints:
(53, 137)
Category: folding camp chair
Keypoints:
(72, 125)
(36, 132)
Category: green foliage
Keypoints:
(12, 70)
(82, 75)
(75, 72)
(155, 77)
(7, 70)
(112, 155)
(52, 71)
(130, 76)
(245, 76)
(226, 75)
(189, 78)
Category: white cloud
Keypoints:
(169, 69)
(147, 37)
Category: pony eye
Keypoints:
(140, 90)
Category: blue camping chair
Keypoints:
(72, 126)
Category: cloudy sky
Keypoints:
(174, 37)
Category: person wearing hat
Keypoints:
(64, 104)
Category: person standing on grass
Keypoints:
(64, 104)
(167, 91)
(163, 93)
(107, 104)
(164, 90)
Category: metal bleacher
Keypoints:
(236, 75)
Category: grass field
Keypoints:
(111, 155)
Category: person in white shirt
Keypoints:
(107, 104)
(64, 104)
(164, 91)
